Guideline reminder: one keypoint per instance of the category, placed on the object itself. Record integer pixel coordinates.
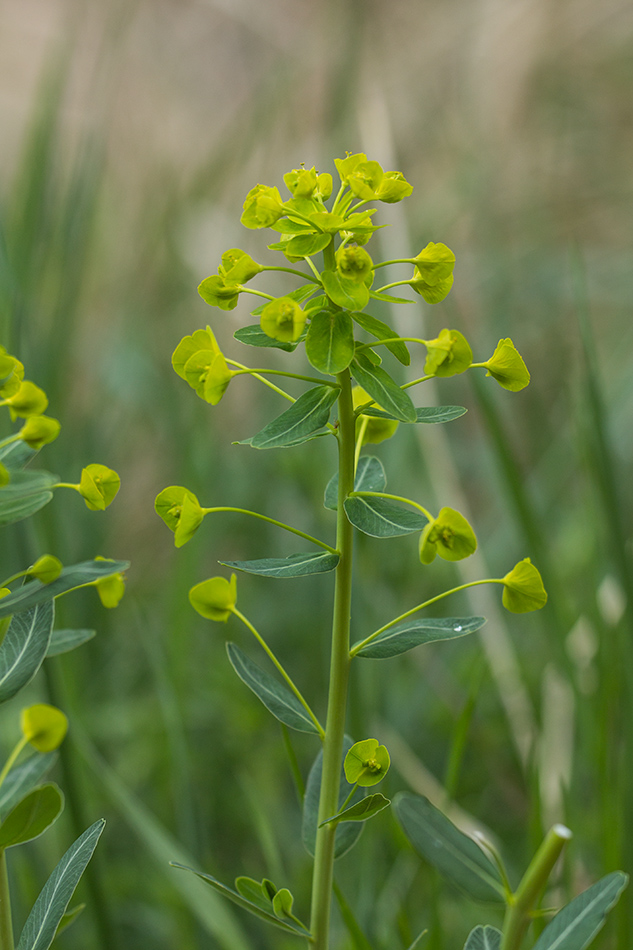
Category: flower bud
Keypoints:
(354, 263)
(46, 569)
(366, 763)
(29, 400)
(283, 320)
(39, 430)
(262, 207)
(98, 486)
(217, 292)
(507, 367)
(448, 535)
(447, 355)
(523, 588)
(44, 726)
(376, 430)
(215, 598)
(181, 512)
(238, 267)
(393, 187)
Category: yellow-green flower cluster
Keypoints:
(27, 401)
(433, 273)
(199, 360)
(180, 510)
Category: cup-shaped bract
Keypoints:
(348, 165)
(39, 430)
(214, 598)
(217, 291)
(324, 186)
(376, 430)
(283, 319)
(507, 367)
(448, 535)
(393, 187)
(448, 355)
(44, 726)
(4, 592)
(262, 207)
(98, 486)
(238, 267)
(110, 589)
(47, 568)
(301, 182)
(199, 340)
(433, 273)
(365, 180)
(5, 478)
(28, 400)
(523, 589)
(354, 263)
(366, 763)
(180, 510)
(11, 374)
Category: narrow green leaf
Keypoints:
(382, 331)
(277, 699)
(347, 833)
(34, 592)
(414, 632)
(433, 414)
(456, 856)
(23, 778)
(32, 816)
(363, 810)
(330, 341)
(305, 417)
(370, 476)
(389, 298)
(63, 641)
(49, 908)
(345, 293)
(24, 647)
(253, 891)
(287, 925)
(575, 926)
(69, 918)
(255, 336)
(416, 942)
(484, 938)
(16, 455)
(25, 494)
(304, 245)
(296, 565)
(382, 518)
(381, 387)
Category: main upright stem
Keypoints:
(339, 674)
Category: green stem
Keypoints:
(256, 293)
(6, 924)
(323, 876)
(359, 441)
(519, 912)
(397, 339)
(279, 372)
(280, 524)
(275, 661)
(382, 494)
(337, 200)
(396, 260)
(414, 382)
(266, 382)
(329, 257)
(291, 270)
(8, 765)
(11, 438)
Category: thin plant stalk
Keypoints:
(6, 924)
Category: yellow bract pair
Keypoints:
(199, 360)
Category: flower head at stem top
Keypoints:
(262, 207)
(366, 763)
(448, 535)
(181, 511)
(433, 274)
(448, 355)
(214, 598)
(283, 319)
(507, 367)
(523, 589)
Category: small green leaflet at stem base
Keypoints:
(382, 331)
(383, 389)
(575, 926)
(24, 646)
(296, 565)
(32, 816)
(362, 810)
(305, 417)
(255, 336)
(287, 925)
(484, 938)
(432, 414)
(49, 908)
(305, 245)
(345, 293)
(330, 341)
(456, 856)
(278, 700)
(63, 641)
(34, 592)
(370, 476)
(382, 518)
(347, 833)
(413, 633)
(23, 778)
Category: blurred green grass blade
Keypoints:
(359, 940)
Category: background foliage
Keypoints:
(131, 133)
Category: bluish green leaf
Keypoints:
(484, 938)
(25, 494)
(575, 926)
(432, 414)
(31, 816)
(287, 925)
(363, 810)
(69, 918)
(416, 631)
(347, 833)
(381, 387)
(255, 892)
(255, 336)
(16, 455)
(23, 778)
(343, 292)
(330, 341)
(277, 699)
(49, 908)
(63, 641)
(296, 565)
(34, 592)
(382, 331)
(305, 417)
(24, 646)
(304, 245)
(454, 854)
(370, 476)
(382, 518)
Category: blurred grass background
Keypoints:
(131, 133)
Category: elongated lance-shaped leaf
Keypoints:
(277, 699)
(306, 416)
(34, 592)
(483, 938)
(347, 833)
(49, 908)
(25, 494)
(23, 778)
(456, 856)
(414, 632)
(287, 925)
(425, 414)
(255, 336)
(24, 647)
(330, 341)
(296, 565)
(16, 455)
(32, 816)
(382, 518)
(363, 810)
(381, 387)
(575, 926)
(370, 476)
(383, 331)
(63, 641)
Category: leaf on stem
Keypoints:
(63, 641)
(370, 476)
(16, 455)
(383, 389)
(25, 494)
(306, 416)
(296, 565)
(32, 816)
(382, 331)
(255, 336)
(24, 646)
(413, 633)
(428, 414)
(382, 518)
(575, 926)
(484, 938)
(347, 833)
(77, 575)
(330, 341)
(362, 810)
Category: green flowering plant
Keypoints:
(356, 400)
